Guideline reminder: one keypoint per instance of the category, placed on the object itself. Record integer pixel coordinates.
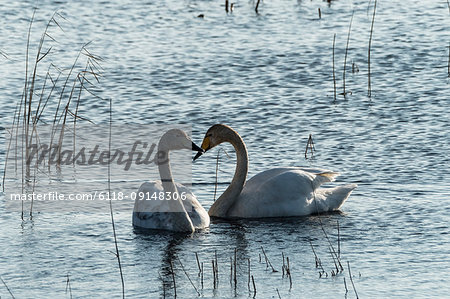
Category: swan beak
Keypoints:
(195, 147)
(198, 155)
(205, 147)
(199, 150)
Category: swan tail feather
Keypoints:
(324, 177)
(336, 197)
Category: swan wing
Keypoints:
(158, 214)
(280, 192)
(146, 191)
(318, 176)
(276, 192)
(151, 214)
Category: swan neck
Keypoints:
(165, 173)
(178, 213)
(223, 204)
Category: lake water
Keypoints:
(270, 77)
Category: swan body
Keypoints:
(185, 214)
(284, 192)
(278, 192)
(161, 218)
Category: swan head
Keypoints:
(214, 136)
(176, 139)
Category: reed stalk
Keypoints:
(231, 269)
(317, 261)
(117, 253)
(310, 147)
(339, 240)
(350, 274)
(268, 263)
(214, 274)
(369, 88)
(448, 63)
(217, 265)
(187, 275)
(7, 288)
(346, 52)
(249, 270)
(68, 287)
(173, 279)
(34, 101)
(201, 279)
(235, 268)
(288, 271)
(198, 264)
(334, 71)
(254, 287)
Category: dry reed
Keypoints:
(350, 274)
(346, 52)
(254, 287)
(117, 253)
(257, 5)
(173, 279)
(334, 71)
(369, 88)
(268, 263)
(187, 275)
(310, 147)
(68, 287)
(7, 288)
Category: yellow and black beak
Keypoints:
(205, 147)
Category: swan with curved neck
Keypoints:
(278, 192)
(179, 210)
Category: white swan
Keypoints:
(169, 214)
(278, 192)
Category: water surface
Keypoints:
(269, 76)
